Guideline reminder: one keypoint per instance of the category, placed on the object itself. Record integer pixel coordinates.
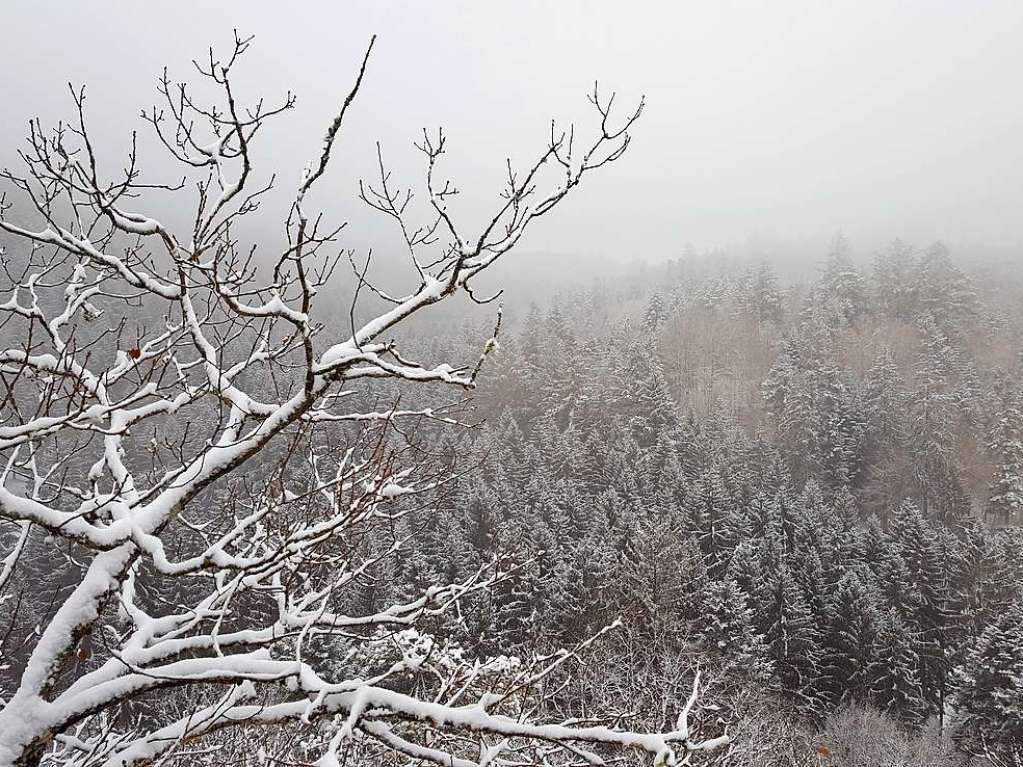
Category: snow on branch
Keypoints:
(174, 430)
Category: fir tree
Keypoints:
(894, 273)
(766, 298)
(895, 686)
(1005, 443)
(842, 285)
(790, 631)
(991, 693)
(941, 291)
(655, 314)
(850, 657)
(726, 630)
(916, 543)
(710, 514)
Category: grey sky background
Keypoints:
(783, 121)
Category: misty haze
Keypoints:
(494, 385)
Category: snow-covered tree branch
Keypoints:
(177, 431)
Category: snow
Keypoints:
(122, 523)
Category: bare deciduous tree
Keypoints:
(176, 430)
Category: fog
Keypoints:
(780, 122)
(722, 466)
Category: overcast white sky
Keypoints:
(779, 119)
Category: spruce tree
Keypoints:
(655, 313)
(894, 273)
(766, 296)
(991, 693)
(917, 546)
(895, 686)
(710, 515)
(791, 635)
(727, 631)
(1005, 444)
(842, 284)
(941, 291)
(849, 662)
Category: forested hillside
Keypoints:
(805, 490)
(365, 402)
(809, 490)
